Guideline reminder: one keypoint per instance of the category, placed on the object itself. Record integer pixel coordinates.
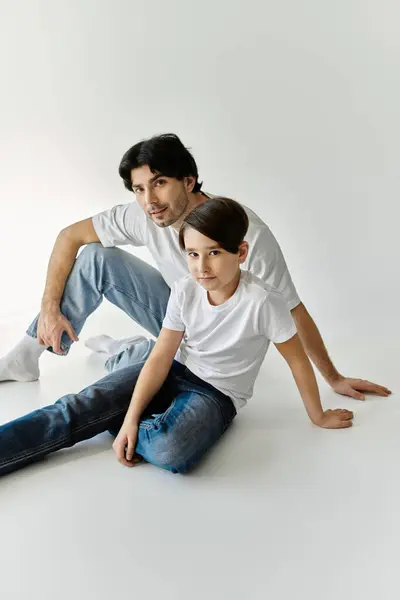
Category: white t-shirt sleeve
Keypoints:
(121, 225)
(173, 316)
(266, 261)
(276, 321)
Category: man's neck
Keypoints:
(195, 199)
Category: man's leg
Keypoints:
(125, 280)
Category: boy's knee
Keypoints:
(171, 457)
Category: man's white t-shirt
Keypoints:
(128, 224)
(225, 345)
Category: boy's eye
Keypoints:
(214, 252)
(192, 254)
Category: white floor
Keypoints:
(279, 509)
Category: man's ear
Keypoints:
(190, 182)
(243, 252)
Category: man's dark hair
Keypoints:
(221, 219)
(164, 154)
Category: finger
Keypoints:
(345, 424)
(72, 333)
(120, 453)
(46, 342)
(355, 394)
(369, 386)
(130, 450)
(41, 341)
(341, 424)
(56, 342)
(344, 413)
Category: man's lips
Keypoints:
(158, 212)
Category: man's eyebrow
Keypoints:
(152, 180)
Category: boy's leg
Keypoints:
(177, 438)
(181, 423)
(73, 418)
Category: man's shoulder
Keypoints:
(257, 288)
(257, 226)
(185, 285)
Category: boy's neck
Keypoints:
(218, 297)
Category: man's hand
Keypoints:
(347, 386)
(51, 326)
(335, 419)
(125, 443)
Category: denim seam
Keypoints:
(135, 300)
(159, 420)
(48, 446)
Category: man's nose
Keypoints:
(149, 198)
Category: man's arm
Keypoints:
(62, 258)
(293, 352)
(315, 348)
(69, 240)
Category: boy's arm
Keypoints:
(303, 373)
(154, 373)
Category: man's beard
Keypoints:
(176, 215)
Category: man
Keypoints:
(163, 175)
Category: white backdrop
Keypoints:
(290, 107)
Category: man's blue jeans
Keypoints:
(185, 418)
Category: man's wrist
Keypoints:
(333, 379)
(49, 304)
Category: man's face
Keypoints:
(164, 199)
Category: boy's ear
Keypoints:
(243, 252)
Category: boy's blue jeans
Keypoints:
(185, 418)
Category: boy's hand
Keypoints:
(124, 445)
(335, 419)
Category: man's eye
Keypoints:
(160, 182)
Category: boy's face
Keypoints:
(164, 199)
(210, 265)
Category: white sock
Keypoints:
(107, 344)
(22, 363)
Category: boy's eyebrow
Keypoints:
(205, 248)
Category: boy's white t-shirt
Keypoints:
(225, 345)
(128, 224)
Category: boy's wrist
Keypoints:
(132, 417)
(317, 417)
